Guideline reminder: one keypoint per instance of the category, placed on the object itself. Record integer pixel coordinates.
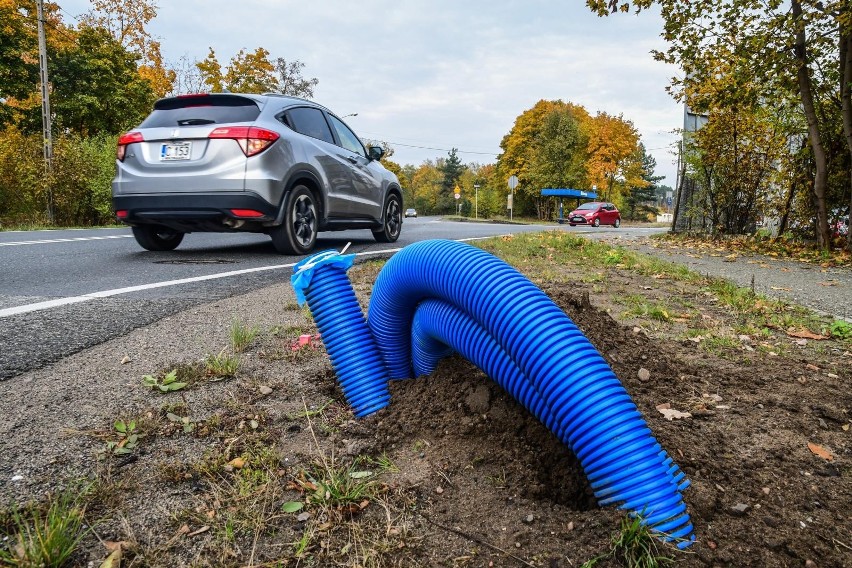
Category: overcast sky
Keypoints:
(427, 76)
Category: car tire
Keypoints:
(298, 233)
(617, 223)
(157, 238)
(391, 221)
(596, 222)
(573, 224)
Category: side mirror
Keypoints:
(376, 153)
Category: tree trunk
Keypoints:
(806, 93)
(682, 167)
(846, 101)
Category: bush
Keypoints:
(82, 171)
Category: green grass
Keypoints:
(43, 535)
(242, 335)
(222, 365)
(633, 546)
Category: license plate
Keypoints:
(578, 219)
(175, 151)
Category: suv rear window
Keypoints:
(202, 109)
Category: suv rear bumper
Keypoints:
(202, 212)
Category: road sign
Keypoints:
(513, 182)
(458, 192)
(457, 195)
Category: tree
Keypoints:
(127, 23)
(20, 96)
(639, 196)
(764, 50)
(254, 72)
(614, 162)
(290, 80)
(97, 87)
(452, 169)
(547, 147)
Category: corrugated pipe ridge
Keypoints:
(438, 293)
(321, 281)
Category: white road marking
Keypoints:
(48, 241)
(142, 287)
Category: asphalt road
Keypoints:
(64, 291)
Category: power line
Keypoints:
(443, 149)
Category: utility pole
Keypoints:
(45, 107)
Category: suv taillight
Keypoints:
(124, 140)
(251, 139)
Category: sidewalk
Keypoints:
(824, 290)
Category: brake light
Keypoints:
(121, 213)
(124, 140)
(251, 139)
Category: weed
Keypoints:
(641, 307)
(222, 365)
(168, 383)
(840, 329)
(633, 546)
(242, 335)
(39, 537)
(184, 421)
(127, 440)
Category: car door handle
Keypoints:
(352, 159)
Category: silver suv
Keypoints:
(270, 164)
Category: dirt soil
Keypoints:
(462, 475)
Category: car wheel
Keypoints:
(617, 223)
(157, 238)
(596, 222)
(573, 224)
(392, 221)
(298, 233)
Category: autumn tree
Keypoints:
(127, 23)
(547, 147)
(764, 51)
(255, 72)
(614, 162)
(20, 98)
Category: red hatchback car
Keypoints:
(595, 213)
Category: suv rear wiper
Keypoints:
(195, 121)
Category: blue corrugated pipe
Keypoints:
(321, 281)
(435, 296)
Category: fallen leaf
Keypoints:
(845, 427)
(670, 413)
(237, 463)
(820, 451)
(113, 560)
(806, 334)
(126, 360)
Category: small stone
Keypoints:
(810, 564)
(265, 390)
(711, 544)
(637, 329)
(644, 374)
(760, 406)
(802, 380)
(517, 545)
(771, 522)
(529, 518)
(126, 360)
(17, 478)
(740, 509)
(228, 467)
(571, 525)
(765, 490)
(745, 339)
(303, 517)
(831, 376)
(439, 490)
